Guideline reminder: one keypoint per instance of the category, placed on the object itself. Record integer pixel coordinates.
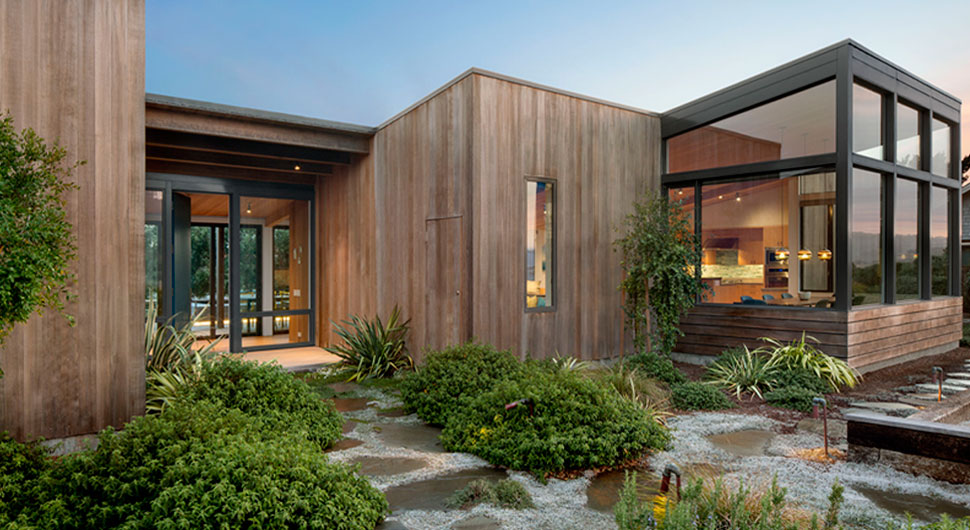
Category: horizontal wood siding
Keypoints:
(74, 72)
(600, 158)
(864, 336)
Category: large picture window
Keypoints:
(769, 241)
(539, 251)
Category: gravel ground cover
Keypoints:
(562, 504)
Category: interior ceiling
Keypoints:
(208, 152)
(215, 205)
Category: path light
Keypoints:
(527, 402)
(938, 379)
(670, 469)
(825, 420)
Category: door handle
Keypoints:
(458, 293)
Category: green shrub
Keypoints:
(635, 386)
(371, 348)
(37, 242)
(279, 401)
(198, 465)
(800, 354)
(658, 367)
(505, 493)
(742, 371)
(699, 396)
(20, 464)
(793, 397)
(452, 377)
(577, 423)
(945, 523)
(800, 378)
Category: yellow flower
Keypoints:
(659, 508)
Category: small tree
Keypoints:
(661, 256)
(36, 241)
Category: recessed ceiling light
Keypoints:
(296, 168)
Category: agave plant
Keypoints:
(372, 349)
(570, 363)
(170, 361)
(800, 354)
(742, 371)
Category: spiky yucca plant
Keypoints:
(801, 354)
(170, 361)
(742, 371)
(372, 349)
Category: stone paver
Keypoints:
(960, 375)
(928, 396)
(947, 389)
(893, 409)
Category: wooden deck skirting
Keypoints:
(868, 338)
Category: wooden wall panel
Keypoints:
(74, 71)
(422, 173)
(868, 338)
(601, 157)
(346, 246)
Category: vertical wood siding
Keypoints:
(74, 71)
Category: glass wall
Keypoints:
(906, 239)
(539, 244)
(939, 233)
(907, 136)
(866, 236)
(796, 125)
(940, 142)
(867, 131)
(769, 240)
(683, 198)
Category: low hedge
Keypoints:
(699, 396)
(801, 378)
(270, 395)
(577, 423)
(198, 465)
(793, 397)
(450, 378)
(657, 367)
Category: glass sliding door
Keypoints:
(236, 255)
(274, 267)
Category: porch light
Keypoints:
(782, 253)
(825, 254)
(804, 254)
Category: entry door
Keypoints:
(444, 275)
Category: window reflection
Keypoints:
(753, 232)
(538, 252)
(907, 136)
(796, 125)
(906, 240)
(683, 198)
(153, 250)
(939, 233)
(867, 137)
(940, 139)
(866, 236)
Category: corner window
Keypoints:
(940, 140)
(867, 137)
(907, 136)
(539, 250)
(796, 125)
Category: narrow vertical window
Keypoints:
(940, 142)
(539, 250)
(153, 250)
(907, 136)
(867, 138)
(866, 237)
(906, 239)
(939, 239)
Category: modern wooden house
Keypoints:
(825, 193)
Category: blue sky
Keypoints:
(364, 61)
